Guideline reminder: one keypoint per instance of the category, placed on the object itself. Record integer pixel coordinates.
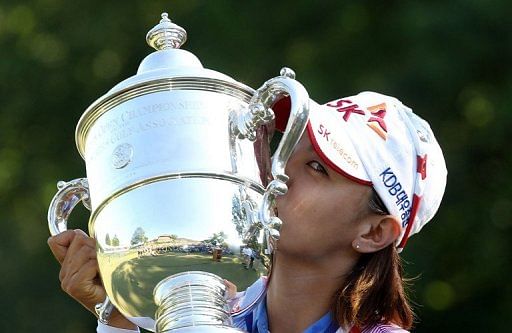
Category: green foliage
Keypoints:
(449, 60)
(139, 237)
(218, 239)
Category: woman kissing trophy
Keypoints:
(180, 182)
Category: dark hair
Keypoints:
(376, 205)
(374, 290)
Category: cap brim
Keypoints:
(335, 150)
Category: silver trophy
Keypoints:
(179, 181)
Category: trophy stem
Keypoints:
(192, 301)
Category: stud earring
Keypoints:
(357, 246)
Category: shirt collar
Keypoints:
(260, 324)
(325, 324)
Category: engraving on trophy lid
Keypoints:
(122, 155)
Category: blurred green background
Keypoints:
(449, 60)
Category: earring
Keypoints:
(357, 246)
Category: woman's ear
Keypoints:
(381, 231)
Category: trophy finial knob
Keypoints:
(287, 72)
(166, 35)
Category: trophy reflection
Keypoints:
(181, 186)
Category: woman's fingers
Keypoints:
(79, 273)
(80, 250)
(59, 244)
(79, 254)
(231, 289)
(83, 285)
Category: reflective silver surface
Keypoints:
(179, 181)
(168, 227)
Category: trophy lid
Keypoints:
(166, 66)
(168, 60)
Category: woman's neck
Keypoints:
(301, 291)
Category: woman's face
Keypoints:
(321, 210)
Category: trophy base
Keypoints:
(192, 302)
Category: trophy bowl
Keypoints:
(180, 182)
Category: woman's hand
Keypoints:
(79, 273)
(231, 289)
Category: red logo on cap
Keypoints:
(422, 166)
(376, 122)
(349, 109)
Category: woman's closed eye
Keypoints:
(317, 167)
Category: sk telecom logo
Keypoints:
(375, 121)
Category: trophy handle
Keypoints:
(62, 204)
(265, 97)
(64, 201)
